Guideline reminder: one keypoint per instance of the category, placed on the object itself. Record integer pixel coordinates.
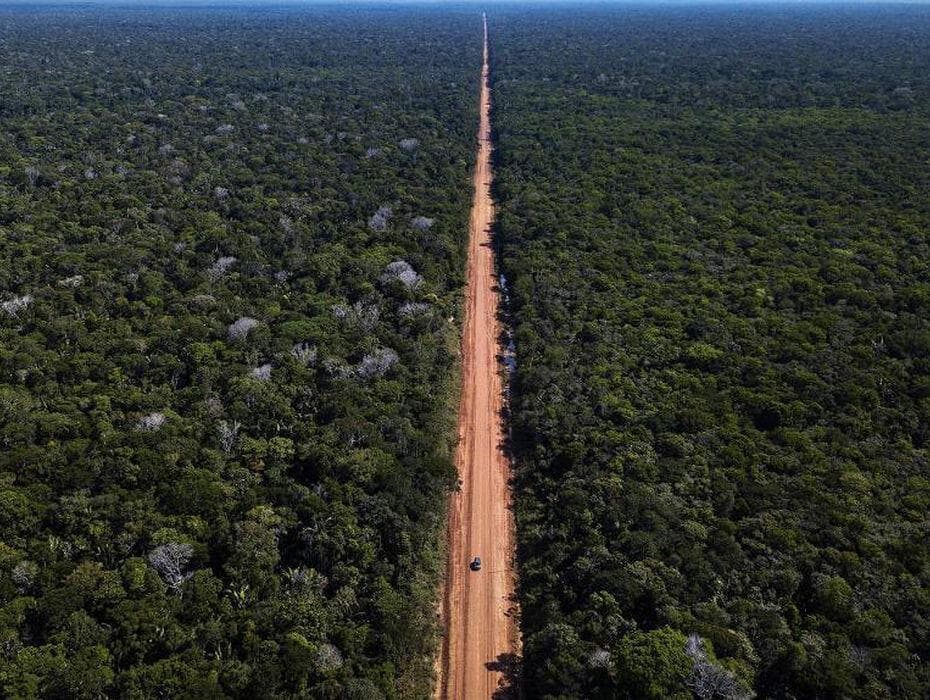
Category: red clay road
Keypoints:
(478, 606)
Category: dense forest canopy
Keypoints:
(231, 256)
(716, 231)
(231, 260)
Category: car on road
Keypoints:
(475, 564)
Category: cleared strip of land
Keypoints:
(481, 641)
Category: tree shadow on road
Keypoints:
(509, 666)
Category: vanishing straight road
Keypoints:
(481, 633)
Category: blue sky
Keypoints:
(488, 3)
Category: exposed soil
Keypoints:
(481, 645)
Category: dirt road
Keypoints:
(482, 638)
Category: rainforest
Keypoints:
(408, 350)
(231, 255)
(715, 228)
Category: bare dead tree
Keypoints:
(241, 327)
(376, 363)
(170, 561)
(304, 353)
(152, 421)
(229, 433)
(380, 219)
(709, 681)
(221, 266)
(401, 271)
(17, 304)
(262, 373)
(422, 223)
